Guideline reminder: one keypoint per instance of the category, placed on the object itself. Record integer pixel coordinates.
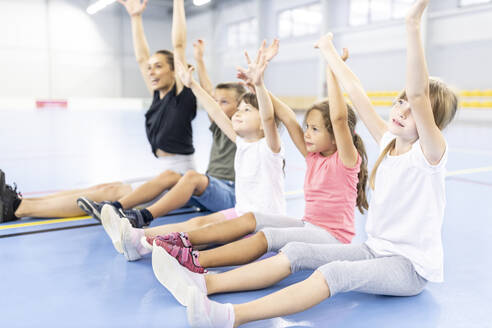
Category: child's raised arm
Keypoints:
(203, 77)
(339, 120)
(213, 109)
(255, 72)
(417, 87)
(284, 113)
(374, 123)
(288, 118)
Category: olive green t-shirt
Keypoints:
(221, 163)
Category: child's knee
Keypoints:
(167, 175)
(115, 191)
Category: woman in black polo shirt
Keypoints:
(168, 120)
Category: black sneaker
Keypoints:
(135, 217)
(91, 208)
(10, 199)
(2, 181)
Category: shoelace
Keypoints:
(14, 190)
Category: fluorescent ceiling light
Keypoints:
(101, 4)
(200, 2)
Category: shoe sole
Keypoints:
(131, 254)
(164, 266)
(111, 222)
(86, 206)
(196, 319)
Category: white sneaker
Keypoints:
(111, 222)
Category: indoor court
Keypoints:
(72, 110)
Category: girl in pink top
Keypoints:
(335, 184)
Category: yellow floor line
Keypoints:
(32, 224)
(470, 171)
(289, 193)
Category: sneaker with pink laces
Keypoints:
(174, 238)
(186, 256)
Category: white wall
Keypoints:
(53, 48)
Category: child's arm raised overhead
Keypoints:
(288, 118)
(179, 38)
(339, 120)
(417, 88)
(135, 8)
(203, 77)
(255, 72)
(374, 123)
(284, 113)
(213, 109)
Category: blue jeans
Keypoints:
(219, 195)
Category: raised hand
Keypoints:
(198, 49)
(414, 15)
(255, 70)
(134, 7)
(184, 74)
(327, 41)
(272, 50)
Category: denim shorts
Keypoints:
(219, 195)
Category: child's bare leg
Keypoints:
(242, 251)
(66, 205)
(253, 276)
(192, 183)
(293, 299)
(191, 224)
(224, 232)
(151, 189)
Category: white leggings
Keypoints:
(280, 230)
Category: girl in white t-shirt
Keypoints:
(258, 162)
(404, 248)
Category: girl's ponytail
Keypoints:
(362, 203)
(387, 149)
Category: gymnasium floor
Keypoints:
(74, 278)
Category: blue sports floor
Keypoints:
(74, 277)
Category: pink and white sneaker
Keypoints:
(174, 238)
(186, 256)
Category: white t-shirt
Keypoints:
(259, 178)
(407, 209)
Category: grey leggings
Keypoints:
(356, 268)
(280, 230)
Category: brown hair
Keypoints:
(324, 108)
(444, 103)
(237, 87)
(169, 57)
(249, 98)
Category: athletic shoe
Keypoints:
(2, 181)
(186, 256)
(91, 208)
(174, 238)
(174, 276)
(135, 218)
(10, 199)
(130, 241)
(111, 222)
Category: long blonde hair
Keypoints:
(444, 103)
(324, 108)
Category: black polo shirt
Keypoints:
(168, 122)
